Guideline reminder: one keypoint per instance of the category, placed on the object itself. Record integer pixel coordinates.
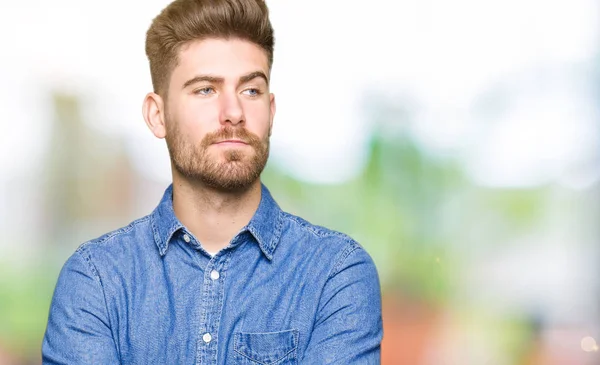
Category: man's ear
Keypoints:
(273, 110)
(153, 111)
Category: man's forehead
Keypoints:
(221, 53)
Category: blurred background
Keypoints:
(457, 141)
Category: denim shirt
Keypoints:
(283, 291)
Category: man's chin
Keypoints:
(231, 176)
(234, 185)
(233, 157)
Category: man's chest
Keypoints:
(224, 313)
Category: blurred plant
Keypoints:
(392, 208)
(25, 295)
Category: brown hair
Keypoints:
(183, 21)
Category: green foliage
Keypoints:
(25, 295)
(392, 208)
(414, 214)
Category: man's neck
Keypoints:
(214, 217)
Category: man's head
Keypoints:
(210, 62)
(184, 21)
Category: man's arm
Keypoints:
(348, 329)
(78, 330)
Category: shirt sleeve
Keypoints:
(348, 328)
(78, 330)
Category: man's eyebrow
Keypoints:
(201, 78)
(252, 75)
(219, 80)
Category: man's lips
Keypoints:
(235, 142)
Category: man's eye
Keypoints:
(252, 92)
(204, 91)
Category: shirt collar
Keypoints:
(164, 221)
(265, 225)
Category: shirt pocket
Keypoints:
(270, 348)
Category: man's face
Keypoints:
(219, 113)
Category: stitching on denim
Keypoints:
(264, 363)
(295, 334)
(88, 259)
(291, 330)
(276, 235)
(352, 247)
(156, 236)
(204, 311)
(349, 249)
(116, 232)
(286, 355)
(316, 230)
(221, 301)
(322, 232)
(303, 224)
(174, 228)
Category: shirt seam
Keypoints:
(351, 247)
(101, 240)
(221, 305)
(346, 252)
(276, 235)
(86, 255)
(317, 231)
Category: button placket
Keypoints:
(213, 289)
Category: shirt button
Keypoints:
(186, 238)
(214, 275)
(206, 337)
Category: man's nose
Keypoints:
(231, 109)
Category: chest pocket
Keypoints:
(271, 348)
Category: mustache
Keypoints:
(228, 132)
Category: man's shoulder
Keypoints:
(330, 248)
(300, 224)
(121, 239)
(317, 237)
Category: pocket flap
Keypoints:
(268, 347)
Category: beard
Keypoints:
(235, 170)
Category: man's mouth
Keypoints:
(231, 142)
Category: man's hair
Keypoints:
(183, 21)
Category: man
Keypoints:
(217, 274)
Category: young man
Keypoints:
(217, 274)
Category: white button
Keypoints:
(186, 238)
(214, 275)
(207, 337)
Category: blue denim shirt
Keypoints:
(283, 291)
